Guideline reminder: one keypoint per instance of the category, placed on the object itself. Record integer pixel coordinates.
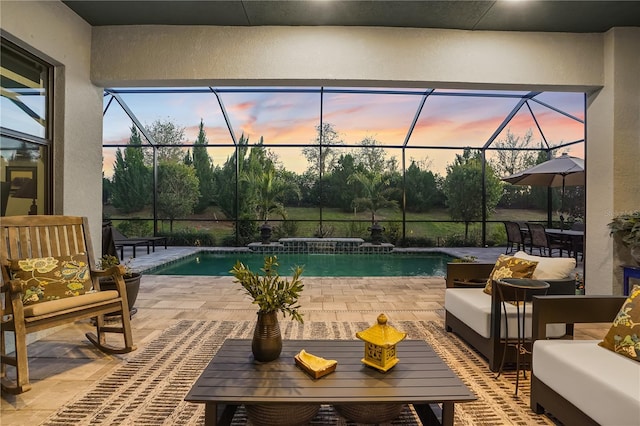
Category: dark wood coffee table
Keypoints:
(420, 378)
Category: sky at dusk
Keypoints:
(446, 121)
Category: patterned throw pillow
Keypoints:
(510, 267)
(51, 278)
(624, 335)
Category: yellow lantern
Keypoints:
(380, 344)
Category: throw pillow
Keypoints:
(510, 267)
(624, 335)
(549, 268)
(50, 278)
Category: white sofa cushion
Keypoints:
(549, 268)
(601, 383)
(473, 307)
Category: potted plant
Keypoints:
(131, 279)
(626, 226)
(272, 293)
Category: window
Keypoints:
(25, 132)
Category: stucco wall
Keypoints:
(196, 55)
(612, 153)
(50, 30)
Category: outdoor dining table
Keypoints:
(571, 238)
(554, 232)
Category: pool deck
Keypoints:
(64, 364)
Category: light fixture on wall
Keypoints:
(29, 190)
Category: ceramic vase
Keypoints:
(267, 341)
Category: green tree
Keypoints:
(204, 171)
(463, 188)
(177, 191)
(131, 184)
(250, 161)
(372, 157)
(375, 192)
(266, 191)
(422, 189)
(512, 157)
(323, 159)
(188, 159)
(169, 139)
(107, 189)
(337, 188)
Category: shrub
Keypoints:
(417, 242)
(191, 238)
(392, 232)
(247, 230)
(230, 241)
(288, 228)
(135, 228)
(324, 231)
(357, 230)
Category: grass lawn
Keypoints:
(434, 225)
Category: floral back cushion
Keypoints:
(624, 335)
(50, 278)
(510, 267)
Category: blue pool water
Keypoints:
(315, 265)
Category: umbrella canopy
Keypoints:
(560, 171)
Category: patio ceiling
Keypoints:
(533, 15)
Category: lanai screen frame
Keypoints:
(524, 101)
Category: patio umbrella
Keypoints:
(560, 171)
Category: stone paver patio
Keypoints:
(63, 363)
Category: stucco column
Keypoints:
(613, 159)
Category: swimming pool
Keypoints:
(315, 265)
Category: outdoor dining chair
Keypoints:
(515, 239)
(542, 241)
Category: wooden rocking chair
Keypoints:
(58, 237)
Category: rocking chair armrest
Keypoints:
(13, 301)
(116, 273)
(112, 271)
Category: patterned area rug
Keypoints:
(149, 387)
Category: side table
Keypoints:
(518, 291)
(629, 272)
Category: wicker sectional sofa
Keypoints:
(578, 381)
(476, 316)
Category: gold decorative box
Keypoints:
(314, 366)
(380, 344)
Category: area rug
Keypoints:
(150, 385)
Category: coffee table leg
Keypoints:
(211, 417)
(447, 413)
(211, 414)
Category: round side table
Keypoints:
(518, 291)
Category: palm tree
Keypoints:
(267, 189)
(376, 192)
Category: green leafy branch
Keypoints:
(269, 291)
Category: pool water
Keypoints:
(315, 265)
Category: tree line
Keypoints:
(360, 179)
